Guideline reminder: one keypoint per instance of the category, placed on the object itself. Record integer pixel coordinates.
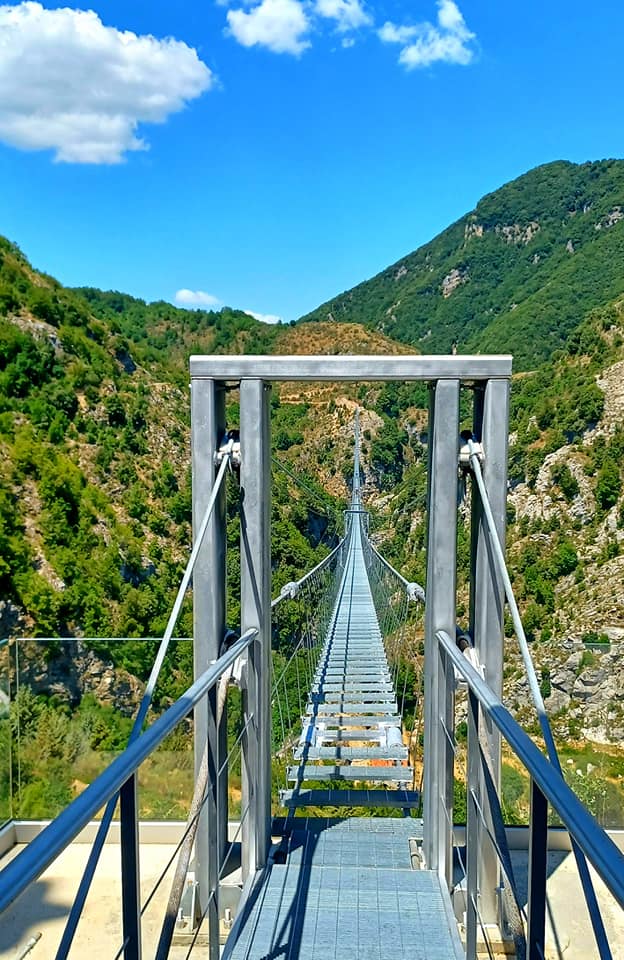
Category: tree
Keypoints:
(608, 485)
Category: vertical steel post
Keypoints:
(473, 777)
(130, 879)
(440, 614)
(256, 612)
(208, 425)
(538, 857)
(491, 426)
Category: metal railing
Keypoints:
(127, 796)
(547, 787)
(500, 566)
(119, 777)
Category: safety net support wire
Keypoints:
(414, 590)
(597, 845)
(290, 590)
(200, 798)
(585, 877)
(298, 632)
(47, 845)
(392, 594)
(458, 842)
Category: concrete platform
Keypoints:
(44, 909)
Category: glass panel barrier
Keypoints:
(71, 715)
(5, 735)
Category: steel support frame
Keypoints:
(538, 863)
(492, 373)
(490, 427)
(440, 614)
(255, 480)
(130, 874)
(209, 599)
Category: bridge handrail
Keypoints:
(600, 850)
(413, 590)
(291, 589)
(28, 866)
(534, 687)
(144, 705)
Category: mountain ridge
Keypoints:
(549, 243)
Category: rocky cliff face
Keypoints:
(70, 670)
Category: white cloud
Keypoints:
(264, 317)
(448, 42)
(70, 84)
(391, 33)
(279, 25)
(450, 18)
(348, 14)
(196, 298)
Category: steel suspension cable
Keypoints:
(98, 844)
(540, 707)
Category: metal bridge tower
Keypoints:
(487, 379)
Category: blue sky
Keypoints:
(268, 154)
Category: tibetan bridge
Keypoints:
(341, 842)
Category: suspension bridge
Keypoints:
(362, 886)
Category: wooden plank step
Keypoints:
(363, 686)
(353, 720)
(350, 736)
(330, 697)
(347, 709)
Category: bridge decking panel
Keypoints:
(347, 895)
(350, 753)
(337, 772)
(308, 797)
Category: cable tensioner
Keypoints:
(230, 447)
(468, 448)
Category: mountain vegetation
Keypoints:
(515, 275)
(95, 478)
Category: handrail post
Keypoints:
(440, 614)
(473, 827)
(208, 426)
(538, 857)
(130, 877)
(491, 426)
(255, 478)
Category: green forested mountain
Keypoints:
(95, 479)
(162, 337)
(94, 467)
(515, 275)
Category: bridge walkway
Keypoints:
(346, 889)
(349, 889)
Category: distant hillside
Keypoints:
(515, 275)
(162, 337)
(95, 486)
(95, 479)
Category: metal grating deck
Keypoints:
(352, 713)
(350, 798)
(347, 892)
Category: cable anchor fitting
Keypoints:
(468, 448)
(415, 592)
(290, 589)
(229, 447)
